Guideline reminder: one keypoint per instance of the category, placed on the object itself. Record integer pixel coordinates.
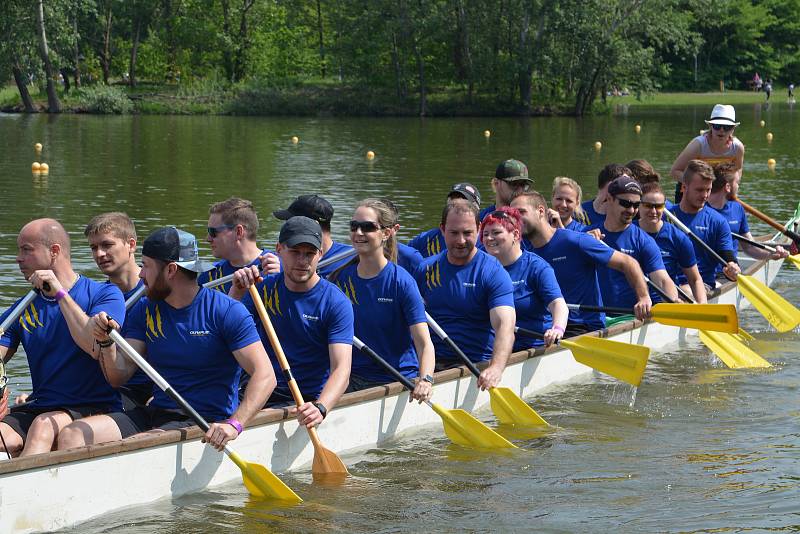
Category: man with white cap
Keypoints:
(715, 146)
(198, 339)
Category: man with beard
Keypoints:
(56, 332)
(431, 242)
(199, 340)
(618, 232)
(510, 177)
(705, 223)
(470, 295)
(576, 259)
(311, 316)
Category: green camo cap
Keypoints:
(512, 170)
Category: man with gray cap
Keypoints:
(431, 242)
(618, 232)
(312, 317)
(198, 339)
(510, 178)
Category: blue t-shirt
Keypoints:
(535, 287)
(384, 308)
(576, 226)
(575, 258)
(459, 298)
(591, 217)
(429, 243)
(224, 268)
(636, 243)
(677, 251)
(733, 212)
(192, 348)
(62, 374)
(408, 257)
(306, 323)
(714, 230)
(336, 248)
(486, 211)
(139, 377)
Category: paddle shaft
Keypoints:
(357, 343)
(604, 309)
(753, 242)
(17, 311)
(778, 226)
(677, 222)
(452, 344)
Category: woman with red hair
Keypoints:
(537, 297)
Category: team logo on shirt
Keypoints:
(558, 258)
(385, 300)
(153, 322)
(517, 282)
(348, 289)
(29, 320)
(199, 332)
(432, 275)
(628, 251)
(433, 246)
(271, 300)
(215, 274)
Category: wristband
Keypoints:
(558, 328)
(235, 424)
(60, 294)
(323, 411)
(104, 344)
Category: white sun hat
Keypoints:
(723, 114)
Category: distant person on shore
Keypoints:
(510, 178)
(595, 210)
(768, 89)
(757, 82)
(715, 146)
(791, 90)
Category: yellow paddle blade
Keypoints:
(794, 259)
(743, 335)
(512, 410)
(716, 317)
(465, 430)
(780, 313)
(261, 482)
(731, 351)
(624, 361)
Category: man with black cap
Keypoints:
(317, 208)
(618, 232)
(198, 339)
(431, 242)
(510, 177)
(312, 317)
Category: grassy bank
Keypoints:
(701, 99)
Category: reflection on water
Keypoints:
(696, 447)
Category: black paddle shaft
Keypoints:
(707, 248)
(529, 333)
(753, 242)
(604, 309)
(383, 363)
(460, 353)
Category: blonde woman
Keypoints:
(566, 209)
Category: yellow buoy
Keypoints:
(637, 128)
(370, 154)
(295, 139)
(771, 163)
(44, 167)
(762, 123)
(35, 167)
(487, 133)
(37, 147)
(598, 145)
(769, 136)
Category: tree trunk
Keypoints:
(400, 85)
(76, 51)
(244, 42)
(463, 57)
(105, 57)
(137, 29)
(53, 104)
(321, 39)
(227, 53)
(22, 87)
(423, 92)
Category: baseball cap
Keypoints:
(311, 206)
(624, 184)
(170, 244)
(468, 191)
(299, 230)
(512, 170)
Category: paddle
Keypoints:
(459, 426)
(326, 464)
(258, 480)
(793, 259)
(778, 226)
(778, 311)
(717, 317)
(17, 311)
(506, 405)
(741, 335)
(727, 347)
(624, 361)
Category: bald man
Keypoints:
(68, 383)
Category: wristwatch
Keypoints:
(428, 379)
(321, 407)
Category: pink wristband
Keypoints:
(557, 328)
(235, 424)
(60, 294)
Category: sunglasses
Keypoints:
(213, 231)
(725, 127)
(659, 206)
(524, 184)
(499, 214)
(365, 226)
(628, 204)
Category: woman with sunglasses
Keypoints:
(537, 296)
(715, 146)
(676, 248)
(388, 309)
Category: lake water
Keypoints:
(702, 448)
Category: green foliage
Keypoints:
(103, 99)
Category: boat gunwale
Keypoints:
(276, 415)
